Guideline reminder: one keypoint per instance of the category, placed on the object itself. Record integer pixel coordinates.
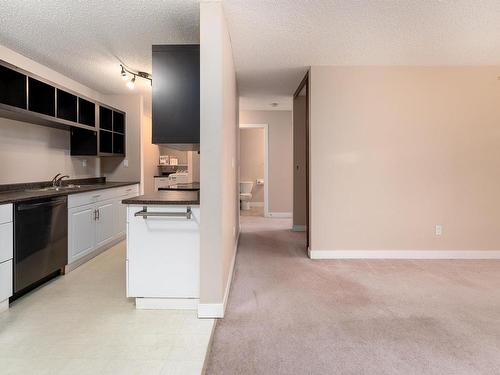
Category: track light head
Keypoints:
(125, 72)
(131, 83)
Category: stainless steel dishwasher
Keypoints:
(40, 241)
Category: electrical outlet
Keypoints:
(125, 163)
(439, 229)
(233, 163)
(84, 163)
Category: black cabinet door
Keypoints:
(176, 94)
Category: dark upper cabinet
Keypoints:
(12, 87)
(105, 118)
(118, 122)
(176, 94)
(94, 131)
(66, 105)
(86, 112)
(41, 97)
(83, 142)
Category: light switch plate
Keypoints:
(439, 229)
(84, 163)
(125, 163)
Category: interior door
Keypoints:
(105, 223)
(301, 157)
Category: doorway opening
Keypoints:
(301, 159)
(254, 185)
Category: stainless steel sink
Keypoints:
(57, 188)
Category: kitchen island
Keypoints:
(163, 250)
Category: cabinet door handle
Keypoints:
(95, 215)
(98, 214)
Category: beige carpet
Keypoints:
(290, 315)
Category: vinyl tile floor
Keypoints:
(82, 323)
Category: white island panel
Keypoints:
(163, 253)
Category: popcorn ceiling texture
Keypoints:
(86, 40)
(273, 41)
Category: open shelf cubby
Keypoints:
(118, 122)
(86, 112)
(105, 118)
(12, 87)
(67, 105)
(105, 142)
(83, 142)
(41, 97)
(118, 144)
(96, 129)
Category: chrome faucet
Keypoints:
(54, 180)
(59, 180)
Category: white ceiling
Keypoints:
(87, 40)
(273, 41)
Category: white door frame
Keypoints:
(266, 162)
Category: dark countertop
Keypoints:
(170, 197)
(192, 186)
(12, 196)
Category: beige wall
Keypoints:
(113, 167)
(280, 156)
(397, 150)
(299, 161)
(31, 152)
(252, 160)
(219, 155)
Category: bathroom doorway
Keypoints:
(254, 186)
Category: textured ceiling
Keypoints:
(273, 41)
(87, 40)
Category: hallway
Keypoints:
(289, 315)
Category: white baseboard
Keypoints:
(217, 310)
(404, 254)
(299, 228)
(166, 303)
(256, 204)
(279, 214)
(4, 305)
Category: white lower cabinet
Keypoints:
(5, 281)
(81, 232)
(6, 255)
(96, 220)
(106, 229)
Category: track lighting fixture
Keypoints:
(125, 72)
(131, 83)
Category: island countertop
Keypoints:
(170, 197)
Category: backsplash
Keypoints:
(35, 153)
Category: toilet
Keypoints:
(245, 194)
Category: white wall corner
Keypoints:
(404, 254)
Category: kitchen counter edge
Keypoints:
(20, 196)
